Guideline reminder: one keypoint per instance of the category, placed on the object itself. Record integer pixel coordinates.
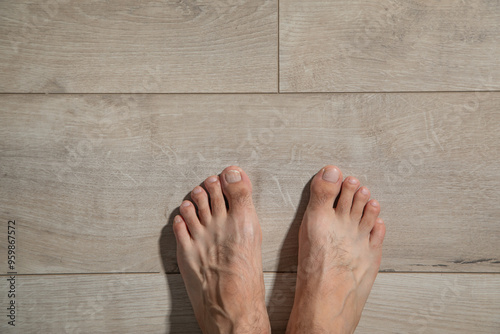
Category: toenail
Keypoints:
(233, 176)
(186, 203)
(364, 191)
(374, 203)
(212, 179)
(331, 174)
(197, 190)
(353, 180)
(177, 219)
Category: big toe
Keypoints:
(325, 187)
(237, 188)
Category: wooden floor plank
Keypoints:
(69, 46)
(154, 303)
(389, 45)
(92, 180)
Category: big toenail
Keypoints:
(233, 176)
(197, 190)
(186, 203)
(331, 175)
(212, 179)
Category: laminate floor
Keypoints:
(110, 113)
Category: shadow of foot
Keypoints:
(283, 290)
(181, 317)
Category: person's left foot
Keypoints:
(219, 255)
(340, 250)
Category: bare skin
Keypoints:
(219, 255)
(340, 250)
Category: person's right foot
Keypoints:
(340, 250)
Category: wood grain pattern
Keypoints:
(154, 303)
(389, 45)
(92, 180)
(69, 46)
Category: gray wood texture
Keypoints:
(389, 45)
(387, 90)
(154, 303)
(94, 180)
(70, 46)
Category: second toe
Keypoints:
(349, 187)
(217, 203)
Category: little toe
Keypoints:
(349, 187)
(370, 214)
(217, 203)
(237, 188)
(188, 213)
(377, 234)
(200, 198)
(361, 197)
(181, 232)
(325, 187)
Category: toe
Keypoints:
(181, 232)
(325, 187)
(377, 234)
(349, 187)
(188, 213)
(217, 203)
(361, 197)
(370, 214)
(237, 187)
(200, 198)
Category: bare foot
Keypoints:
(339, 255)
(219, 255)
